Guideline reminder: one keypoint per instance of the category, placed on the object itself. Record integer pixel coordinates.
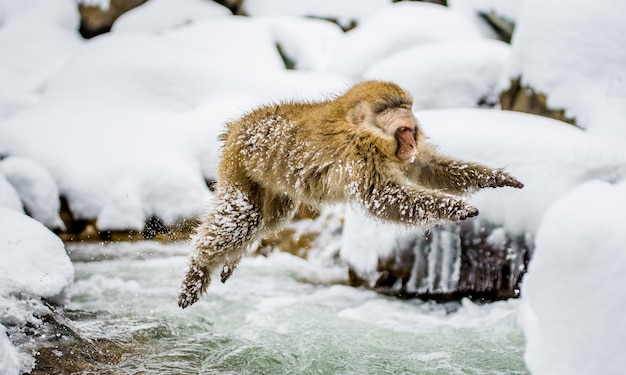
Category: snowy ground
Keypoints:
(124, 126)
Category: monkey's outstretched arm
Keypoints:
(437, 171)
(222, 238)
(412, 205)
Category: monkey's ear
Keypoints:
(357, 114)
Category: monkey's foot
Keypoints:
(226, 272)
(501, 179)
(194, 284)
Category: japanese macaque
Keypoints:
(364, 147)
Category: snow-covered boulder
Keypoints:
(572, 52)
(147, 109)
(159, 15)
(32, 55)
(572, 311)
(345, 12)
(34, 267)
(447, 74)
(9, 198)
(392, 29)
(34, 261)
(550, 157)
(9, 361)
(37, 190)
(304, 41)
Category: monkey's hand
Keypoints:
(459, 210)
(499, 178)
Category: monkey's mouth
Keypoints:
(407, 147)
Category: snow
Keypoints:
(8, 196)
(392, 29)
(9, 362)
(102, 4)
(465, 71)
(33, 55)
(171, 99)
(572, 312)
(159, 15)
(34, 266)
(303, 40)
(508, 9)
(573, 52)
(343, 11)
(548, 172)
(36, 189)
(33, 259)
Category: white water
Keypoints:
(279, 315)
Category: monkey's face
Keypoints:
(401, 124)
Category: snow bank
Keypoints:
(525, 145)
(448, 74)
(34, 261)
(303, 40)
(573, 52)
(9, 362)
(8, 196)
(344, 11)
(34, 266)
(36, 188)
(572, 309)
(32, 55)
(159, 15)
(393, 29)
(135, 117)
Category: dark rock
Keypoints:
(472, 259)
(95, 21)
(525, 99)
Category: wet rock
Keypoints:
(49, 341)
(472, 259)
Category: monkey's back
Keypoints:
(292, 148)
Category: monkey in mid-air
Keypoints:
(364, 147)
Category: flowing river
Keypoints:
(278, 315)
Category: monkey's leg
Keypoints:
(411, 205)
(222, 238)
(457, 176)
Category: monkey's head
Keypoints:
(384, 110)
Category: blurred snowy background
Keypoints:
(118, 134)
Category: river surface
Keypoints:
(279, 315)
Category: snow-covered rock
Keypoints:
(37, 37)
(344, 11)
(147, 110)
(392, 29)
(475, 10)
(9, 198)
(572, 309)
(305, 41)
(572, 52)
(446, 74)
(34, 261)
(34, 266)
(36, 188)
(159, 15)
(9, 361)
